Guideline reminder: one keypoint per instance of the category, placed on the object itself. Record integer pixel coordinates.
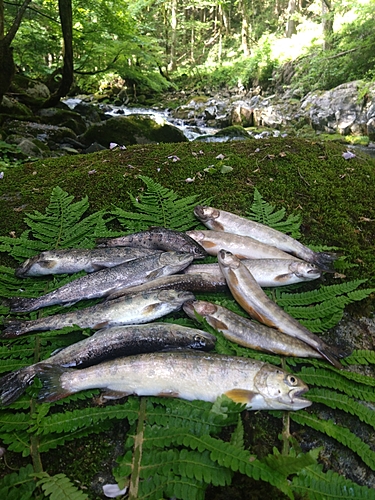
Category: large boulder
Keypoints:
(132, 129)
(63, 118)
(51, 135)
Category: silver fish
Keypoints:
(106, 344)
(255, 302)
(187, 375)
(104, 282)
(158, 238)
(138, 308)
(242, 246)
(78, 259)
(266, 272)
(248, 333)
(219, 220)
(200, 282)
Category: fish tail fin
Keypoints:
(13, 385)
(21, 304)
(330, 357)
(52, 390)
(14, 328)
(325, 260)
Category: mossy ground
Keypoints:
(335, 197)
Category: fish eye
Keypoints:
(292, 380)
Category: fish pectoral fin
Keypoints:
(283, 277)
(47, 264)
(108, 394)
(241, 395)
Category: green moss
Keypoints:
(334, 196)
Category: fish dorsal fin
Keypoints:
(241, 395)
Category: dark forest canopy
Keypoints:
(214, 43)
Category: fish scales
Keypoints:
(138, 308)
(186, 375)
(220, 220)
(200, 282)
(243, 247)
(157, 238)
(266, 272)
(104, 282)
(255, 302)
(249, 333)
(106, 344)
(78, 259)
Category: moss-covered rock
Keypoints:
(63, 118)
(127, 130)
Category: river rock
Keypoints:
(132, 129)
(51, 135)
(63, 118)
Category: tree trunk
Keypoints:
(66, 17)
(7, 66)
(291, 25)
(327, 24)
(172, 60)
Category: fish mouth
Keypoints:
(296, 399)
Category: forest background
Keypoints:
(155, 46)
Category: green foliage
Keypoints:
(159, 206)
(174, 448)
(263, 212)
(59, 487)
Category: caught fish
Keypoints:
(109, 280)
(219, 220)
(255, 302)
(266, 272)
(200, 282)
(106, 344)
(158, 238)
(138, 308)
(78, 259)
(186, 375)
(248, 333)
(243, 247)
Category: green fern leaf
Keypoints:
(59, 487)
(342, 402)
(18, 485)
(332, 380)
(360, 357)
(159, 206)
(314, 484)
(263, 212)
(341, 434)
(61, 226)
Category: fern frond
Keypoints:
(59, 487)
(341, 434)
(159, 206)
(61, 226)
(315, 484)
(342, 402)
(332, 380)
(263, 212)
(360, 357)
(18, 485)
(323, 293)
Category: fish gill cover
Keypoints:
(175, 448)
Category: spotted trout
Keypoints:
(158, 238)
(267, 272)
(138, 308)
(242, 246)
(255, 302)
(78, 259)
(109, 343)
(186, 375)
(248, 333)
(219, 220)
(109, 280)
